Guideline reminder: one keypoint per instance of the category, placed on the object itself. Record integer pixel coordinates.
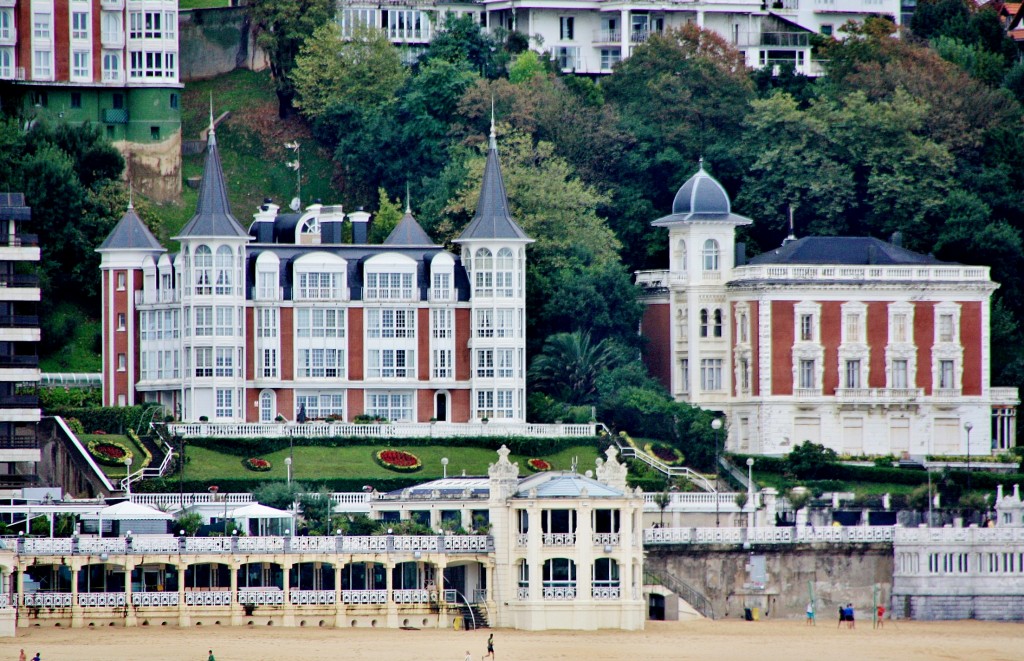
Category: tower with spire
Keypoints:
(493, 250)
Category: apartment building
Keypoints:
(852, 342)
(113, 63)
(292, 319)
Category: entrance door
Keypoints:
(656, 607)
(455, 579)
(441, 407)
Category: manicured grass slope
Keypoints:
(117, 472)
(319, 463)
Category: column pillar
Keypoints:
(339, 607)
(584, 551)
(392, 618)
(77, 616)
(289, 609)
(19, 587)
(624, 33)
(237, 612)
(184, 615)
(440, 564)
(130, 620)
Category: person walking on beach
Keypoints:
(21, 654)
(469, 657)
(881, 616)
(810, 613)
(36, 657)
(842, 615)
(210, 658)
(490, 647)
(849, 616)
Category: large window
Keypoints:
(442, 364)
(899, 374)
(710, 255)
(204, 269)
(704, 322)
(504, 268)
(225, 397)
(899, 328)
(204, 361)
(718, 323)
(506, 363)
(266, 322)
(226, 321)
(485, 363)
(41, 26)
(224, 269)
(559, 578)
(441, 323)
(806, 328)
(568, 57)
(80, 25)
(483, 267)
(42, 64)
(391, 364)
(111, 66)
(505, 322)
(946, 328)
(225, 361)
(711, 374)
(567, 27)
(320, 322)
(484, 323)
(442, 288)
(204, 320)
(806, 376)
(314, 286)
(852, 374)
(496, 404)
(324, 363)
(321, 405)
(947, 378)
(152, 64)
(81, 63)
(383, 322)
(266, 285)
(391, 406)
(609, 58)
(854, 329)
(268, 369)
(389, 286)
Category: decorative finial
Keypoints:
(131, 202)
(211, 111)
(700, 162)
(408, 204)
(494, 135)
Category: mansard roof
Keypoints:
(213, 213)
(130, 233)
(408, 232)
(851, 250)
(492, 219)
(701, 198)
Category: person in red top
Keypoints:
(881, 615)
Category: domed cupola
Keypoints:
(701, 195)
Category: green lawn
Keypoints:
(316, 463)
(139, 459)
(202, 4)
(783, 484)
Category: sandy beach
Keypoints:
(731, 640)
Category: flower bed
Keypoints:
(257, 464)
(538, 465)
(665, 453)
(109, 453)
(398, 460)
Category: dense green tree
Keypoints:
(569, 365)
(389, 213)
(362, 70)
(462, 39)
(281, 28)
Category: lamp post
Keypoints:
(750, 491)
(128, 476)
(716, 425)
(288, 466)
(444, 467)
(968, 427)
(181, 473)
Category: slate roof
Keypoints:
(130, 233)
(213, 213)
(701, 198)
(408, 233)
(853, 250)
(565, 485)
(449, 486)
(492, 219)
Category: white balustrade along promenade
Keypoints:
(767, 535)
(696, 501)
(384, 430)
(166, 544)
(970, 535)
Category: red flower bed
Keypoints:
(665, 453)
(109, 453)
(398, 460)
(538, 465)
(257, 464)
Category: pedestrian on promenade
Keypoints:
(210, 658)
(21, 654)
(849, 616)
(469, 657)
(490, 647)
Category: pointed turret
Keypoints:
(130, 233)
(492, 219)
(408, 232)
(213, 213)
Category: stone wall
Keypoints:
(959, 607)
(215, 41)
(838, 573)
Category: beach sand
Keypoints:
(731, 640)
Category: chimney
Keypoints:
(263, 221)
(360, 226)
(332, 219)
(896, 239)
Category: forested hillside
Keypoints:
(916, 133)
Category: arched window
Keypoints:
(711, 255)
(718, 323)
(503, 286)
(483, 267)
(704, 322)
(680, 256)
(267, 406)
(224, 268)
(204, 269)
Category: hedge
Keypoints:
(111, 419)
(244, 485)
(258, 447)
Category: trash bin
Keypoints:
(748, 615)
(756, 613)
(457, 623)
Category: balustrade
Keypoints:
(207, 545)
(46, 600)
(102, 599)
(261, 597)
(5, 600)
(606, 539)
(605, 592)
(207, 597)
(46, 546)
(470, 543)
(362, 544)
(523, 593)
(415, 543)
(559, 539)
(559, 592)
(415, 596)
(522, 539)
(154, 598)
(374, 597)
(98, 545)
(312, 544)
(312, 597)
(155, 545)
(260, 544)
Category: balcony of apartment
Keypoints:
(111, 5)
(947, 398)
(8, 36)
(18, 447)
(19, 248)
(784, 40)
(1004, 396)
(113, 76)
(784, 6)
(19, 369)
(12, 73)
(660, 279)
(19, 287)
(607, 37)
(868, 397)
(112, 38)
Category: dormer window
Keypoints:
(711, 254)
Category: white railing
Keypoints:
(415, 543)
(468, 543)
(693, 501)
(863, 273)
(190, 499)
(154, 598)
(879, 395)
(261, 544)
(155, 545)
(605, 592)
(207, 545)
(767, 535)
(522, 539)
(312, 597)
(97, 545)
(364, 597)
(414, 596)
(312, 544)
(261, 597)
(969, 535)
(208, 597)
(363, 544)
(661, 279)
(607, 36)
(559, 592)
(102, 599)
(5, 600)
(522, 593)
(46, 600)
(396, 430)
(46, 546)
(606, 539)
(559, 539)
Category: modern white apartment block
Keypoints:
(590, 36)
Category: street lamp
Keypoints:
(128, 476)
(750, 491)
(288, 465)
(444, 467)
(716, 424)
(968, 427)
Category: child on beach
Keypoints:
(490, 647)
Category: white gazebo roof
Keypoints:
(129, 511)
(258, 511)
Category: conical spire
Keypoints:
(408, 232)
(492, 219)
(130, 233)
(213, 213)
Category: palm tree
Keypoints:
(568, 367)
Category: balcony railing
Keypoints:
(19, 280)
(12, 442)
(154, 599)
(559, 539)
(559, 590)
(19, 402)
(19, 241)
(102, 599)
(19, 361)
(607, 36)
(606, 590)
(261, 597)
(864, 273)
(112, 39)
(46, 600)
(19, 321)
(606, 539)
(312, 597)
(8, 36)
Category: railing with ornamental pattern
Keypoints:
(154, 599)
(801, 535)
(98, 545)
(468, 543)
(312, 597)
(102, 599)
(858, 273)
(969, 535)
(46, 600)
(416, 543)
(397, 430)
(261, 597)
(208, 597)
(46, 546)
(559, 592)
(522, 593)
(606, 592)
(260, 544)
(606, 539)
(207, 545)
(372, 597)
(363, 544)
(312, 544)
(5, 600)
(156, 544)
(414, 596)
(522, 539)
(559, 539)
